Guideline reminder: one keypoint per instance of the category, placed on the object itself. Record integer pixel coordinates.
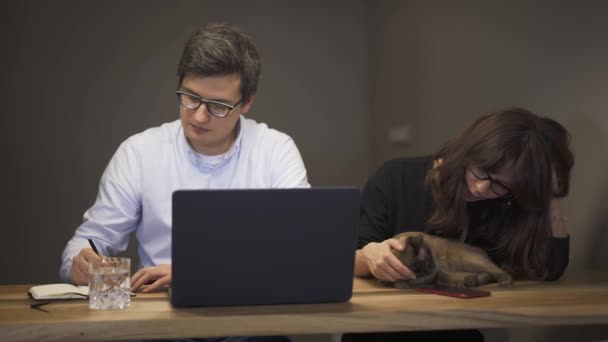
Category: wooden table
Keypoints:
(575, 300)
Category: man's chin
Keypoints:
(198, 142)
(198, 131)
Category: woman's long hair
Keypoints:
(535, 151)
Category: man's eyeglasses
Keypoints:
(215, 108)
(498, 188)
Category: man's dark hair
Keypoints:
(222, 49)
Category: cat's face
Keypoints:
(416, 255)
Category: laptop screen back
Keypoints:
(263, 246)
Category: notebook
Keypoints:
(263, 246)
(59, 291)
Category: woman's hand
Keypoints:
(382, 263)
(558, 220)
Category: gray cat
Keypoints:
(438, 260)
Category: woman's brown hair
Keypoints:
(535, 151)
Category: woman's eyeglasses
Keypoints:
(498, 188)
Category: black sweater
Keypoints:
(396, 199)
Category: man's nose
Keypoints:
(201, 114)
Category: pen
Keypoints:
(93, 246)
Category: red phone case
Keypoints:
(463, 293)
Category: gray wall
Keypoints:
(79, 77)
(436, 65)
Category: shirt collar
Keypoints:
(193, 155)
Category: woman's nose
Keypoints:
(483, 186)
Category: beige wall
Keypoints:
(436, 65)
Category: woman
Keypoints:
(496, 186)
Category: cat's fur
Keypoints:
(438, 260)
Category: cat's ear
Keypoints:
(416, 241)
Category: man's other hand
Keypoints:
(157, 275)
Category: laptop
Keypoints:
(263, 246)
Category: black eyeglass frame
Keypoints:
(507, 195)
(206, 102)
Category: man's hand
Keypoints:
(382, 263)
(160, 276)
(80, 266)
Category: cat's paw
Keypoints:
(454, 283)
(402, 284)
(482, 278)
(385, 282)
(471, 281)
(505, 281)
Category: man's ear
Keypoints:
(247, 104)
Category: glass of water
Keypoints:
(110, 283)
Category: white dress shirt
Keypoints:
(136, 187)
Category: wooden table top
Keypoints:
(574, 300)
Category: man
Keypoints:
(212, 146)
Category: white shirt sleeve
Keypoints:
(288, 170)
(115, 213)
